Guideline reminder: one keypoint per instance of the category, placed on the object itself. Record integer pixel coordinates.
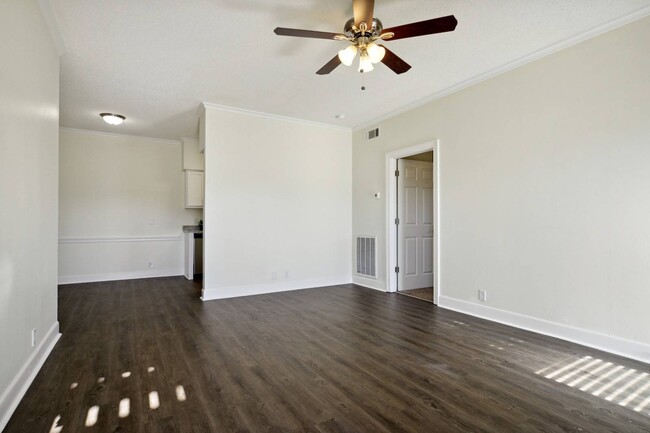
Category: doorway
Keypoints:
(412, 236)
(414, 222)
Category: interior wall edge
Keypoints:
(23, 379)
(616, 345)
(52, 23)
(214, 293)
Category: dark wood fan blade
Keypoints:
(305, 33)
(428, 27)
(329, 66)
(363, 11)
(394, 62)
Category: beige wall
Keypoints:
(277, 199)
(129, 188)
(544, 183)
(29, 117)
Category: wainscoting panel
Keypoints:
(84, 260)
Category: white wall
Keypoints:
(545, 183)
(121, 207)
(29, 117)
(278, 199)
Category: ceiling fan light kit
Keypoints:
(363, 30)
(365, 65)
(348, 54)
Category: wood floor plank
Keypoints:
(327, 360)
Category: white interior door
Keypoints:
(415, 225)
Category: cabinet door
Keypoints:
(193, 189)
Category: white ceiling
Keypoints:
(156, 61)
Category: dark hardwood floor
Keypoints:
(149, 356)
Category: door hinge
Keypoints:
(397, 269)
(396, 221)
(396, 173)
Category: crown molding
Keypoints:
(208, 105)
(190, 140)
(548, 50)
(112, 134)
(52, 23)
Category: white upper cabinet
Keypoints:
(193, 189)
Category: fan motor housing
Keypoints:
(351, 31)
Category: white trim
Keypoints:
(122, 239)
(369, 283)
(206, 105)
(189, 140)
(117, 276)
(52, 23)
(25, 376)
(209, 294)
(536, 55)
(391, 213)
(619, 346)
(112, 134)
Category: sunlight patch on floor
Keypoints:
(91, 417)
(618, 384)
(125, 408)
(56, 428)
(180, 393)
(154, 401)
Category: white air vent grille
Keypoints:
(373, 133)
(367, 256)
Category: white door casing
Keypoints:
(416, 221)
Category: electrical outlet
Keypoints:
(274, 275)
(151, 265)
(34, 337)
(286, 275)
(151, 221)
(482, 295)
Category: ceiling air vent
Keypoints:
(373, 133)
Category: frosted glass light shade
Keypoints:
(365, 65)
(113, 119)
(347, 55)
(375, 52)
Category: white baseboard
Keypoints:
(369, 283)
(616, 345)
(133, 275)
(210, 294)
(19, 385)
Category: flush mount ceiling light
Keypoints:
(112, 118)
(363, 30)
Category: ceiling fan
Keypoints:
(363, 30)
